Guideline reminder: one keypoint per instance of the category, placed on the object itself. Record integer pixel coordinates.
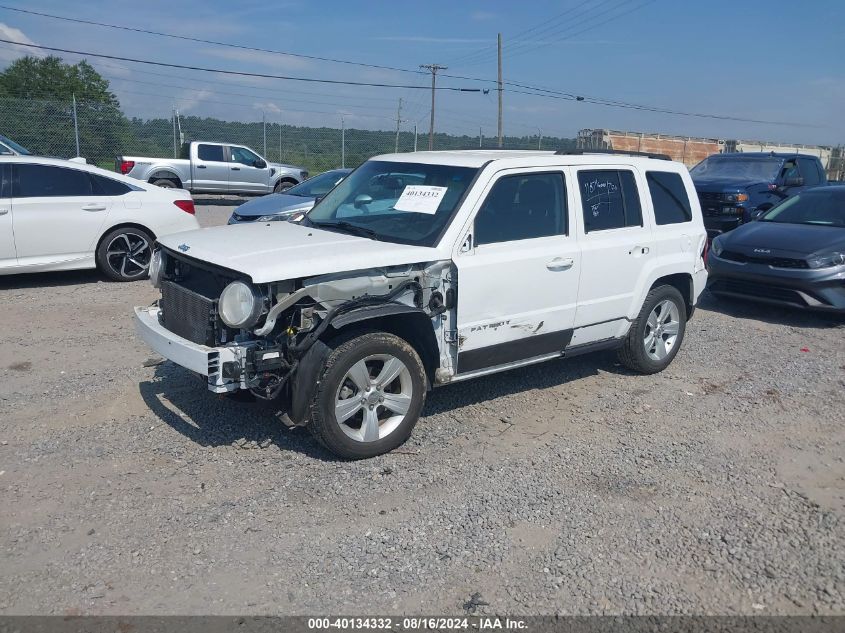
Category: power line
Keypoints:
(204, 41)
(239, 73)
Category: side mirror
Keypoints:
(361, 200)
(260, 163)
(793, 182)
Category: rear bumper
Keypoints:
(818, 289)
(210, 362)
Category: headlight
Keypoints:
(270, 218)
(716, 246)
(826, 260)
(155, 269)
(735, 197)
(240, 305)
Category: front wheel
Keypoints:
(656, 335)
(124, 254)
(283, 185)
(369, 397)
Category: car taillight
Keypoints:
(186, 205)
(705, 251)
(126, 166)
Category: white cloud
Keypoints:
(11, 52)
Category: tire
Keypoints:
(124, 254)
(283, 185)
(354, 365)
(642, 351)
(164, 183)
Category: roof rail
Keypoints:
(581, 152)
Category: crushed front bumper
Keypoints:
(220, 365)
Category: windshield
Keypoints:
(18, 148)
(761, 169)
(823, 206)
(410, 203)
(318, 185)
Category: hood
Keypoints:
(797, 239)
(277, 251)
(724, 184)
(274, 203)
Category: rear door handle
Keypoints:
(561, 263)
(638, 250)
(94, 207)
(236, 168)
(3, 211)
(200, 166)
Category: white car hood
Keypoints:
(278, 251)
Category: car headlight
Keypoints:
(270, 218)
(826, 260)
(240, 305)
(716, 246)
(735, 197)
(155, 268)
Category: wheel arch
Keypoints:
(164, 174)
(683, 282)
(410, 324)
(285, 178)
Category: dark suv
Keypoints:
(736, 188)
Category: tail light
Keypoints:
(705, 250)
(186, 205)
(126, 166)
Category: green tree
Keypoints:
(37, 103)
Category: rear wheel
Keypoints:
(124, 254)
(369, 396)
(656, 335)
(164, 183)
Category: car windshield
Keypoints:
(824, 206)
(318, 185)
(18, 148)
(410, 203)
(761, 169)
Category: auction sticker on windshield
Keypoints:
(420, 199)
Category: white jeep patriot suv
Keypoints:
(429, 268)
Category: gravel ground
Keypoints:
(572, 487)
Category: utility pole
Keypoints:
(480, 138)
(499, 87)
(539, 139)
(75, 125)
(432, 68)
(264, 125)
(398, 121)
(342, 143)
(175, 155)
(415, 137)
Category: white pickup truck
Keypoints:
(213, 168)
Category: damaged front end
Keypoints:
(272, 339)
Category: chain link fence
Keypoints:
(100, 133)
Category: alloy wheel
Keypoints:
(373, 398)
(661, 330)
(129, 255)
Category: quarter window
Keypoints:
(108, 186)
(668, 197)
(37, 181)
(609, 199)
(212, 153)
(522, 207)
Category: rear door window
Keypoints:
(211, 153)
(609, 199)
(45, 181)
(668, 197)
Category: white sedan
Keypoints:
(64, 215)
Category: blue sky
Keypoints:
(759, 59)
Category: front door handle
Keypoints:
(3, 211)
(94, 207)
(200, 166)
(561, 263)
(236, 168)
